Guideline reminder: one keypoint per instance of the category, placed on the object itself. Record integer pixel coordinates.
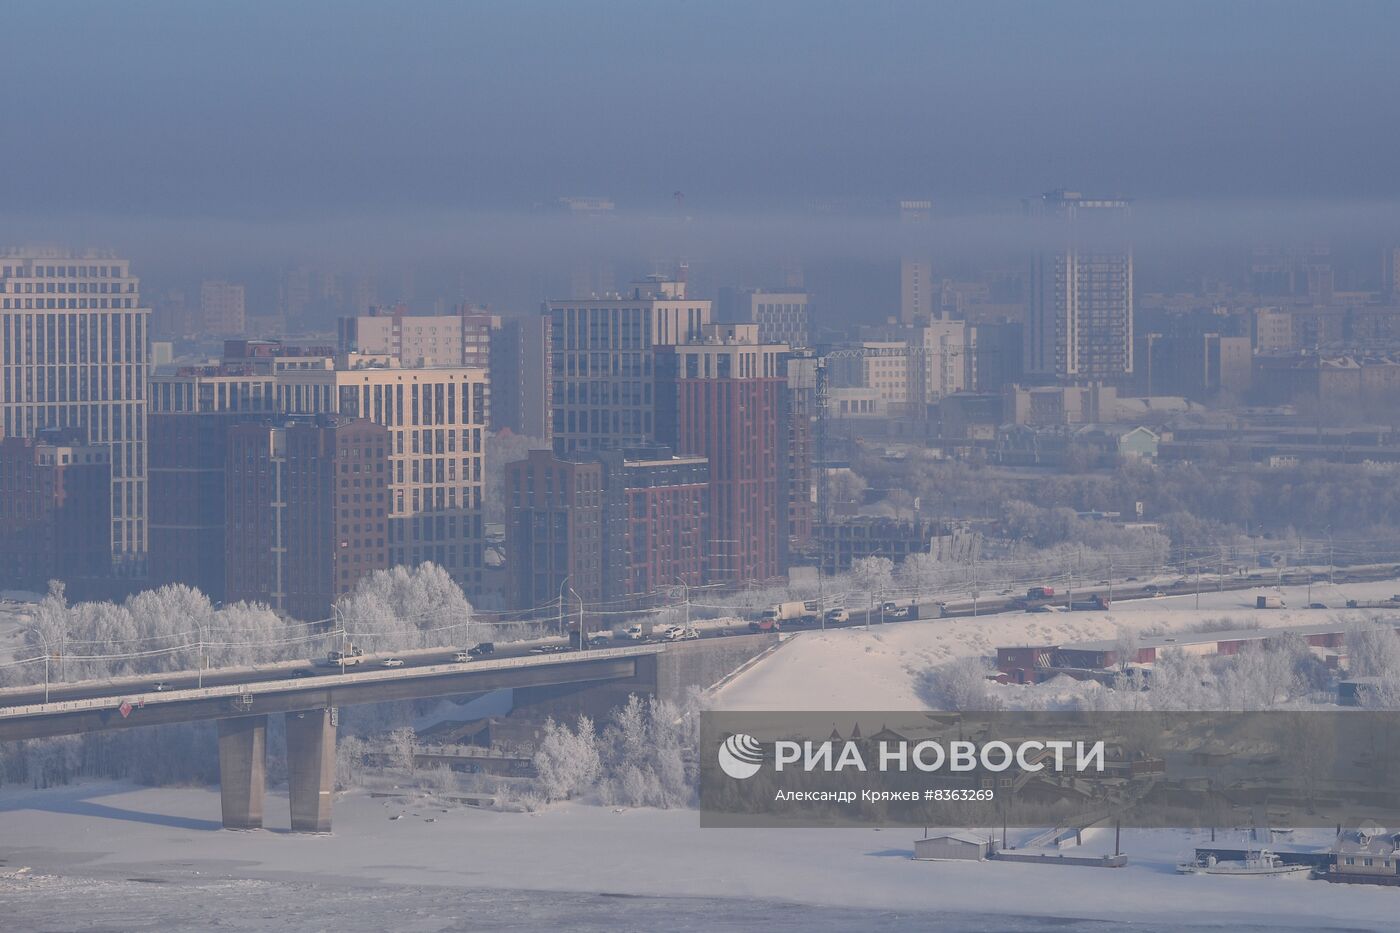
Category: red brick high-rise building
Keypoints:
(612, 524)
(724, 397)
(306, 511)
(667, 517)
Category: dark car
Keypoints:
(301, 672)
(483, 649)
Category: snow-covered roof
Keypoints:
(961, 836)
(1178, 639)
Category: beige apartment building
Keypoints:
(73, 355)
(941, 360)
(782, 317)
(462, 339)
(885, 369)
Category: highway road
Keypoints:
(925, 609)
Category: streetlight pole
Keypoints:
(45, 642)
(582, 635)
(1331, 564)
(340, 623)
(685, 588)
(563, 583)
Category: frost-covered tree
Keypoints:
(349, 758)
(648, 752)
(1373, 649)
(959, 685)
(566, 761)
(407, 608)
(1125, 646)
(402, 744)
(873, 576)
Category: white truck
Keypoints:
(796, 612)
(347, 658)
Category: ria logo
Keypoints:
(740, 756)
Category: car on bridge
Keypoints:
(548, 649)
(482, 650)
(391, 662)
(462, 657)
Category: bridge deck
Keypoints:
(147, 707)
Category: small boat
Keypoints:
(1262, 862)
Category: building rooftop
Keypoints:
(1205, 638)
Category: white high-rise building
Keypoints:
(73, 354)
(1079, 324)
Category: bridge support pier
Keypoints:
(311, 768)
(242, 770)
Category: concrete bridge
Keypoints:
(593, 680)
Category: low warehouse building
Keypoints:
(949, 846)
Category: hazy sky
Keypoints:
(189, 133)
(255, 109)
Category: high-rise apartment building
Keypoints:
(437, 421)
(555, 530)
(306, 505)
(996, 353)
(782, 317)
(73, 355)
(192, 410)
(1079, 323)
(916, 290)
(802, 415)
(724, 396)
(601, 362)
(461, 339)
(520, 381)
(941, 360)
(55, 512)
(608, 524)
(666, 512)
(222, 306)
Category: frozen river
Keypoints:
(109, 856)
(156, 903)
